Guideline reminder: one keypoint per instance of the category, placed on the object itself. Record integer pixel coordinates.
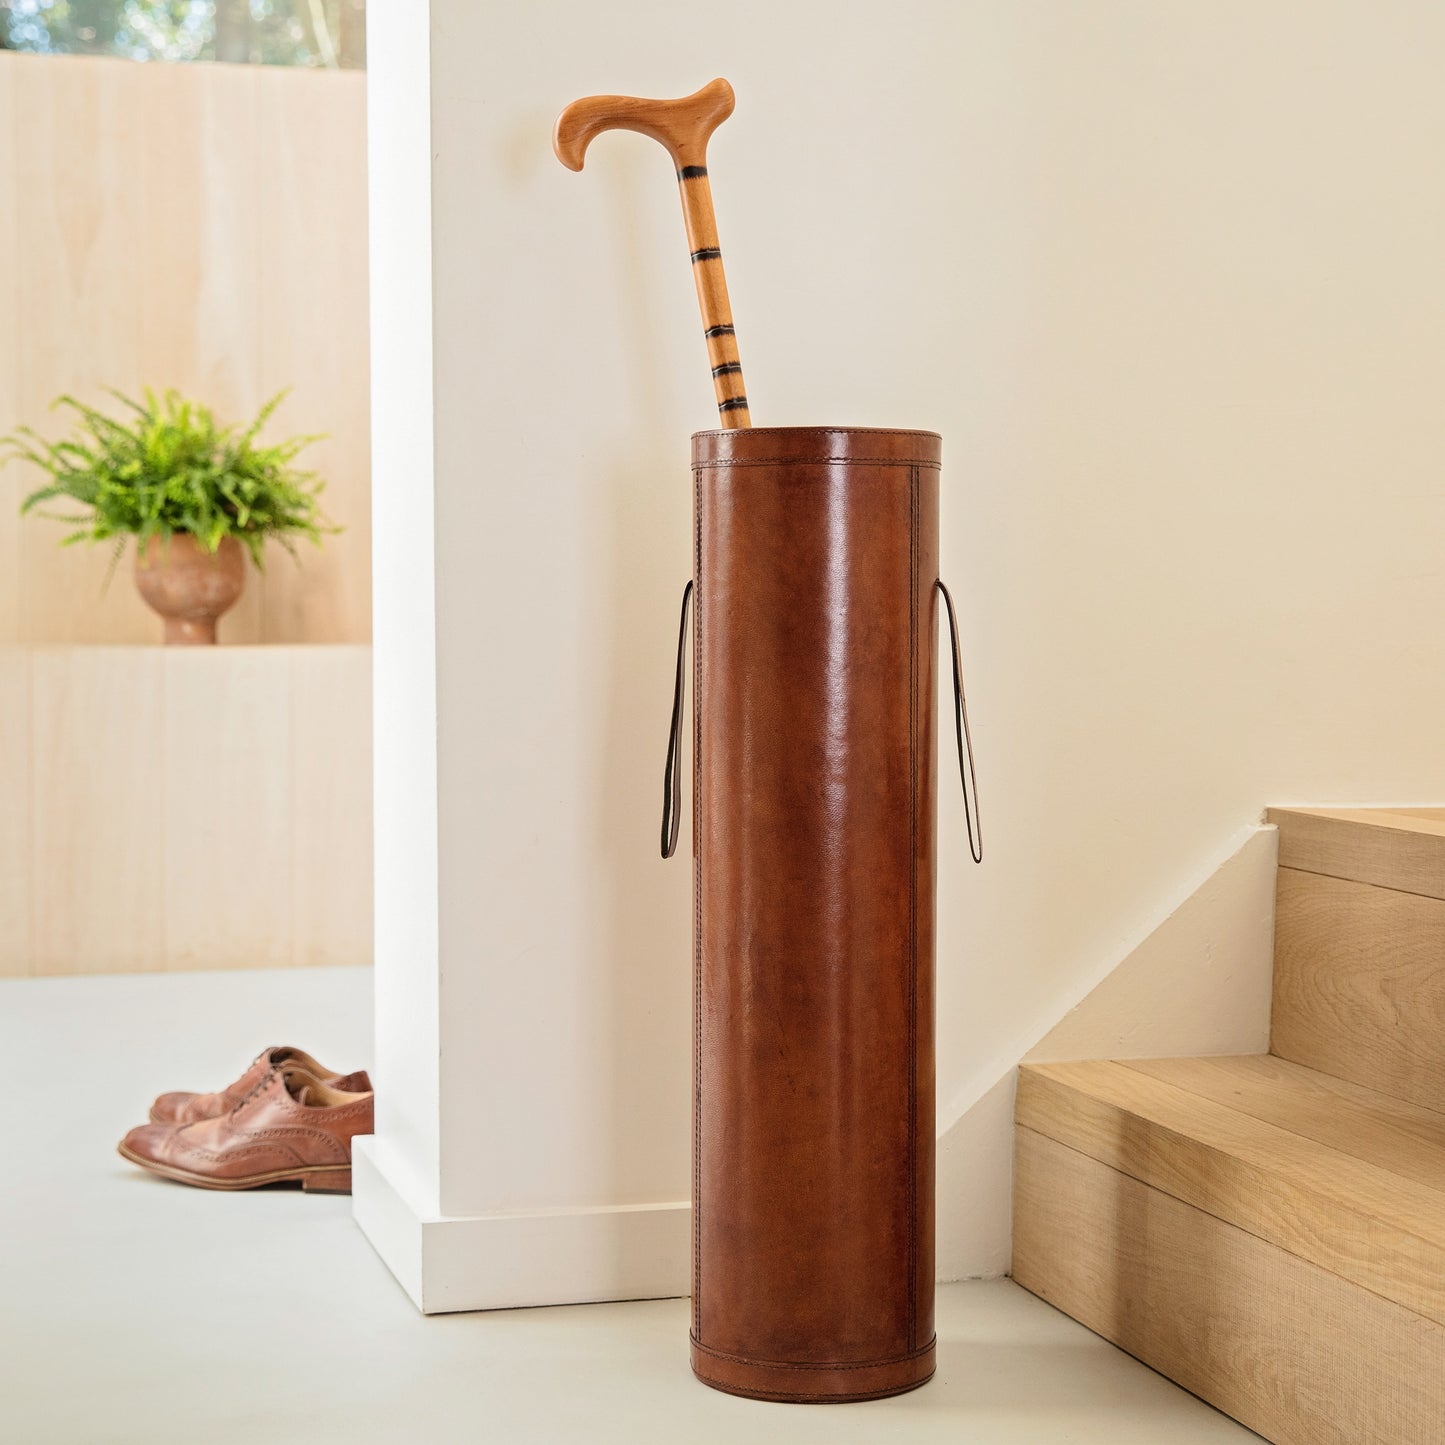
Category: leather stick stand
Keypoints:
(814, 842)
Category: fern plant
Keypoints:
(169, 467)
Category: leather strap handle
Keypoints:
(672, 769)
(684, 127)
(967, 775)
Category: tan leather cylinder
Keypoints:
(816, 551)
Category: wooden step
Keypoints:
(1269, 1236)
(1359, 976)
(1399, 848)
(1283, 1346)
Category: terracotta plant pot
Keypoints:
(189, 586)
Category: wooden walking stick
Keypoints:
(684, 127)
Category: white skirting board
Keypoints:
(505, 1261)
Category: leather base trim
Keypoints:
(806, 1383)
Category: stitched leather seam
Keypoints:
(697, 701)
(809, 1397)
(301, 1111)
(809, 1365)
(283, 1127)
(217, 1156)
(806, 1397)
(337, 1111)
(279, 1135)
(815, 462)
(832, 431)
(913, 904)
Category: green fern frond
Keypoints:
(170, 467)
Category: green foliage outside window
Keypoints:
(329, 33)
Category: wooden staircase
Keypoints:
(1269, 1231)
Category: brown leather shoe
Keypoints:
(291, 1126)
(187, 1108)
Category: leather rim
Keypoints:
(805, 1398)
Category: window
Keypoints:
(264, 32)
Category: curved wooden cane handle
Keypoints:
(684, 127)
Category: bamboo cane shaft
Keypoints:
(712, 296)
(683, 127)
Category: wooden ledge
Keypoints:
(1399, 848)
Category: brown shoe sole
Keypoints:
(314, 1179)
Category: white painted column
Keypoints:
(532, 974)
(397, 1173)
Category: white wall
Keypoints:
(1168, 281)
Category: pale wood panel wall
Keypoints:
(168, 809)
(228, 791)
(9, 364)
(202, 227)
(330, 821)
(313, 329)
(16, 864)
(97, 809)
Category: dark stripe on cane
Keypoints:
(737, 403)
(691, 173)
(727, 368)
(708, 253)
(720, 331)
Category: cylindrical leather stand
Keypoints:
(814, 844)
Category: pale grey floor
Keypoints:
(135, 1310)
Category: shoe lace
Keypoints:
(255, 1088)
